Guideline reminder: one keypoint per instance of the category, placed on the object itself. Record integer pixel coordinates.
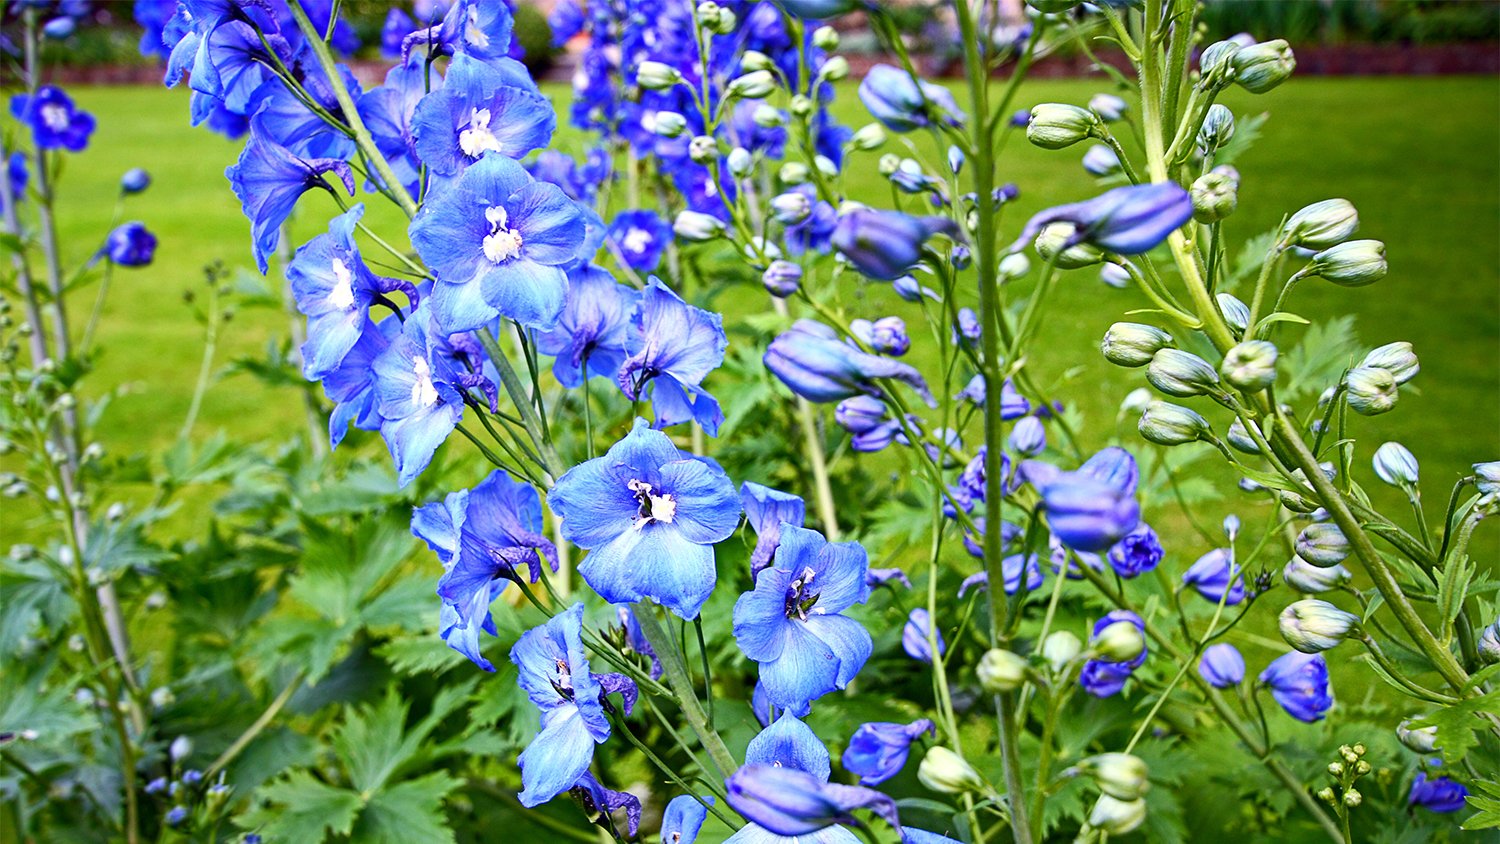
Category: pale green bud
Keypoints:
(754, 85)
(801, 105)
(1172, 424)
(1060, 649)
(1421, 740)
(835, 69)
(696, 227)
(1321, 224)
(755, 60)
(768, 116)
(889, 164)
(1311, 625)
(1117, 817)
(1250, 366)
(739, 162)
(180, 749)
(669, 124)
(1352, 264)
(1352, 798)
(1395, 464)
(1014, 265)
(1136, 400)
(1133, 344)
(1263, 66)
(791, 208)
(1074, 257)
(1181, 374)
(703, 149)
(1313, 580)
(870, 136)
(793, 173)
(1323, 544)
(707, 13)
(1235, 312)
(657, 76)
(825, 165)
(946, 772)
(826, 38)
(1396, 358)
(1215, 196)
(1240, 438)
(1217, 128)
(1216, 65)
(1056, 125)
(1001, 671)
(1121, 641)
(726, 22)
(1119, 775)
(1371, 390)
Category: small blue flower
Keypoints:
(480, 109)
(885, 245)
(903, 103)
(1299, 682)
(55, 123)
(765, 511)
(478, 28)
(18, 175)
(130, 245)
(176, 815)
(1222, 666)
(1137, 552)
(268, 180)
(883, 577)
(1104, 679)
(351, 386)
(1439, 794)
(388, 111)
(1216, 573)
(792, 623)
(915, 633)
(673, 346)
(649, 514)
(398, 24)
(590, 335)
(418, 396)
(1128, 220)
(639, 238)
(684, 815)
(135, 180)
(1094, 507)
(814, 364)
(878, 751)
(497, 241)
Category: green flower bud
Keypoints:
(944, 771)
(669, 124)
(1352, 264)
(1311, 626)
(726, 22)
(755, 60)
(703, 149)
(656, 76)
(739, 162)
(1171, 424)
(1133, 344)
(793, 173)
(1263, 66)
(1250, 366)
(1396, 465)
(1001, 671)
(1119, 775)
(889, 164)
(1074, 257)
(1313, 580)
(1055, 125)
(835, 69)
(1060, 649)
(1121, 641)
(1117, 817)
(1216, 65)
(1014, 265)
(1217, 128)
(1421, 740)
(1352, 798)
(825, 165)
(1240, 438)
(696, 227)
(1215, 196)
(1396, 358)
(1235, 312)
(707, 13)
(768, 116)
(870, 136)
(1323, 544)
(1181, 374)
(1321, 225)
(755, 85)
(826, 38)
(1371, 390)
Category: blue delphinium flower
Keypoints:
(1103, 679)
(903, 103)
(480, 109)
(888, 577)
(1222, 666)
(810, 359)
(482, 536)
(387, 112)
(1299, 682)
(885, 245)
(55, 122)
(765, 511)
(914, 636)
(635, 638)
(419, 396)
(554, 672)
(268, 181)
(639, 237)
(1094, 507)
(1439, 794)
(792, 623)
(497, 241)
(1128, 220)
(351, 385)
(649, 515)
(18, 175)
(282, 116)
(590, 334)
(332, 286)
(478, 28)
(684, 815)
(1215, 574)
(130, 245)
(672, 347)
(1137, 552)
(598, 801)
(1012, 566)
(877, 751)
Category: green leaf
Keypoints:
(305, 810)
(1488, 804)
(411, 811)
(1457, 723)
(1246, 133)
(419, 655)
(1323, 353)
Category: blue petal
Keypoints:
(789, 743)
(556, 758)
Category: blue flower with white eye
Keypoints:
(590, 334)
(638, 238)
(55, 122)
(418, 394)
(792, 623)
(268, 180)
(387, 112)
(334, 289)
(554, 672)
(684, 816)
(478, 28)
(649, 515)
(878, 751)
(480, 109)
(766, 510)
(791, 745)
(672, 347)
(497, 241)
(482, 536)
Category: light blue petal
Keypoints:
(789, 743)
(556, 758)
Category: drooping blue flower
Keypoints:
(877, 751)
(480, 109)
(1299, 682)
(590, 334)
(482, 536)
(672, 347)
(1014, 566)
(55, 122)
(635, 638)
(887, 577)
(1439, 794)
(419, 396)
(1094, 507)
(333, 288)
(811, 360)
(268, 180)
(915, 633)
(792, 622)
(387, 112)
(554, 672)
(1137, 552)
(1215, 574)
(903, 103)
(598, 801)
(497, 241)
(765, 511)
(282, 116)
(130, 245)
(639, 237)
(885, 245)
(1222, 666)
(684, 815)
(351, 386)
(649, 514)
(1128, 220)
(1104, 679)
(786, 801)
(765, 711)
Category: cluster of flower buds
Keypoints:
(1350, 766)
(1373, 387)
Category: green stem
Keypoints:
(674, 668)
(256, 728)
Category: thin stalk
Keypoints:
(256, 728)
(674, 668)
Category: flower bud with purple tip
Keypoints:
(1396, 465)
(1314, 580)
(782, 279)
(1311, 625)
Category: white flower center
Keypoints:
(501, 244)
(342, 294)
(55, 116)
(637, 240)
(423, 393)
(472, 33)
(654, 508)
(478, 139)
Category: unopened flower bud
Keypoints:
(1354, 263)
(768, 116)
(1421, 740)
(870, 136)
(944, 771)
(1054, 237)
(1215, 196)
(180, 749)
(1313, 580)
(1171, 424)
(889, 164)
(1120, 775)
(657, 76)
(725, 23)
(696, 227)
(1323, 544)
(793, 173)
(1117, 817)
(1060, 649)
(1181, 374)
(1352, 798)
(1001, 671)
(791, 207)
(161, 696)
(756, 85)
(1311, 625)
(1109, 107)
(1056, 125)
(1121, 641)
(1133, 344)
(1335, 769)
(703, 149)
(1327, 795)
(825, 165)
(1235, 312)
(1395, 464)
(1396, 358)
(1217, 128)
(1216, 64)
(1100, 160)
(1263, 66)
(752, 60)
(707, 13)
(1371, 390)
(1321, 224)
(782, 278)
(1014, 265)
(1250, 366)
(739, 162)
(826, 38)
(669, 124)
(835, 69)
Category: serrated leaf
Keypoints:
(1318, 359)
(1246, 133)
(1457, 723)
(411, 811)
(304, 810)
(419, 655)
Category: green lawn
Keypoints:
(1415, 155)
